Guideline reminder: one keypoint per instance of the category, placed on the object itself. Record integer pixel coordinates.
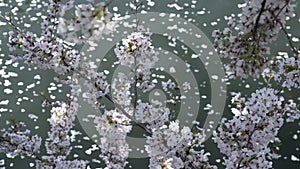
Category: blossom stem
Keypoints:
(135, 88)
(16, 28)
(293, 48)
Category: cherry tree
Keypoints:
(244, 139)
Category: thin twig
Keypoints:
(293, 48)
(16, 28)
(286, 4)
(135, 87)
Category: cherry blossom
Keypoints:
(245, 41)
(90, 21)
(17, 141)
(290, 69)
(46, 51)
(137, 52)
(246, 140)
(113, 127)
(52, 162)
(173, 147)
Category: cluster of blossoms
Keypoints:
(166, 143)
(290, 69)
(55, 162)
(121, 90)
(259, 25)
(95, 83)
(46, 51)
(137, 53)
(170, 147)
(154, 114)
(113, 127)
(245, 138)
(16, 142)
(61, 122)
(58, 143)
(89, 22)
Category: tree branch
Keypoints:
(263, 4)
(293, 48)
